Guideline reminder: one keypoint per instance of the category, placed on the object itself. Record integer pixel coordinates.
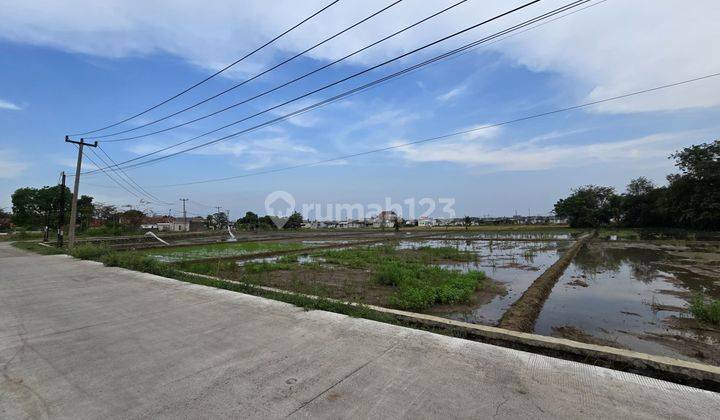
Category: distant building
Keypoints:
(386, 218)
(425, 222)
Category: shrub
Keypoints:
(89, 252)
(706, 310)
(137, 262)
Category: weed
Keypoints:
(449, 253)
(706, 310)
(36, 247)
(89, 252)
(418, 284)
(138, 262)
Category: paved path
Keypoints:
(79, 340)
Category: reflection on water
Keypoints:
(516, 264)
(520, 236)
(631, 290)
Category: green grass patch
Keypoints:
(222, 250)
(138, 262)
(706, 310)
(419, 285)
(37, 248)
(446, 253)
(89, 252)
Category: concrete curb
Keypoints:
(666, 368)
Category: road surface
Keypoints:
(79, 340)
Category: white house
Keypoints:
(426, 222)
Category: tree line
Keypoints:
(691, 198)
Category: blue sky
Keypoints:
(77, 66)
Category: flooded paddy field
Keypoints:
(636, 295)
(507, 267)
(512, 265)
(619, 290)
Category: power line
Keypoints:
(212, 75)
(109, 176)
(239, 84)
(325, 87)
(449, 135)
(344, 94)
(137, 189)
(146, 192)
(149, 198)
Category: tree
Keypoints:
(85, 209)
(266, 222)
(693, 195)
(107, 214)
(36, 207)
(467, 221)
(294, 221)
(5, 220)
(641, 204)
(589, 206)
(132, 219)
(249, 221)
(221, 220)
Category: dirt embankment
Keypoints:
(522, 314)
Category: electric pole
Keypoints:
(61, 212)
(184, 200)
(218, 208)
(76, 187)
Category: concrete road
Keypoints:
(79, 340)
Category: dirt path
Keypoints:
(522, 314)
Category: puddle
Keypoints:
(325, 242)
(515, 264)
(301, 259)
(631, 294)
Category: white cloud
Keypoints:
(451, 94)
(10, 168)
(9, 106)
(529, 156)
(259, 153)
(607, 50)
(482, 131)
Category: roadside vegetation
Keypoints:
(34, 246)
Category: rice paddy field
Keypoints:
(621, 289)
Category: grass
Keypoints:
(40, 249)
(89, 252)
(706, 310)
(418, 284)
(221, 250)
(620, 233)
(446, 253)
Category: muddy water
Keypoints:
(520, 236)
(515, 264)
(631, 294)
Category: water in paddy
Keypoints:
(516, 264)
(519, 236)
(635, 292)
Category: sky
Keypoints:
(74, 66)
